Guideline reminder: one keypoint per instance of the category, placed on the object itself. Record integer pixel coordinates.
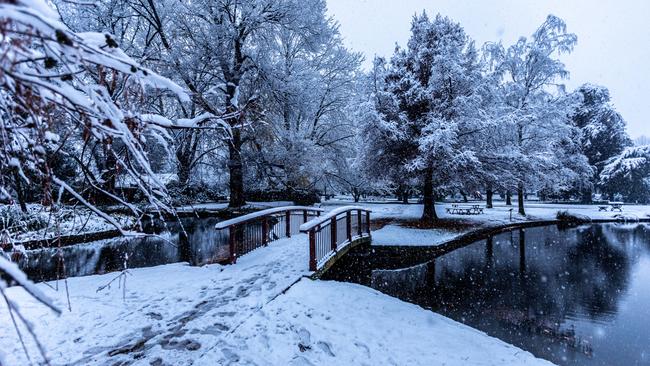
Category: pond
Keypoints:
(202, 244)
(574, 296)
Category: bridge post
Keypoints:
(288, 224)
(265, 232)
(359, 224)
(348, 225)
(232, 231)
(304, 216)
(368, 222)
(312, 250)
(333, 233)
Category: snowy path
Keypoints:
(172, 313)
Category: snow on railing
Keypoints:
(345, 224)
(249, 232)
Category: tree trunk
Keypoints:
(183, 173)
(462, 193)
(508, 198)
(20, 194)
(236, 183)
(429, 212)
(488, 198)
(587, 195)
(356, 194)
(520, 198)
(405, 197)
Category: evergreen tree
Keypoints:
(603, 134)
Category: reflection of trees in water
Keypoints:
(598, 273)
(202, 245)
(528, 282)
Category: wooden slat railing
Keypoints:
(336, 229)
(249, 232)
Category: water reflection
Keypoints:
(197, 244)
(579, 296)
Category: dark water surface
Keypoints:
(577, 296)
(203, 244)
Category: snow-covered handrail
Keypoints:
(326, 218)
(249, 232)
(325, 236)
(255, 215)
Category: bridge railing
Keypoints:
(249, 232)
(330, 232)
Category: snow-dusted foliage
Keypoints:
(629, 174)
(603, 134)
(60, 88)
(536, 109)
(275, 72)
(429, 108)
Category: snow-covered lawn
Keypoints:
(395, 233)
(333, 323)
(405, 236)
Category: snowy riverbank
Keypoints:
(401, 217)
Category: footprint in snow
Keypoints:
(326, 347)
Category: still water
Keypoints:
(202, 244)
(576, 296)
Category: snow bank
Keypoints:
(332, 323)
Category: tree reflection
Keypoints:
(524, 286)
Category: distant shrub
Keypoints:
(567, 217)
(298, 197)
(198, 192)
(13, 220)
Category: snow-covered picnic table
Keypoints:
(473, 209)
(611, 206)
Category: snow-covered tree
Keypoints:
(535, 105)
(603, 134)
(430, 107)
(274, 71)
(628, 174)
(58, 86)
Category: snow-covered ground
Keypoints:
(174, 313)
(394, 234)
(333, 323)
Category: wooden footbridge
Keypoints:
(330, 234)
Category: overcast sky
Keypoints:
(613, 37)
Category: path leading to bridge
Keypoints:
(170, 313)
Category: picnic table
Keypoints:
(616, 206)
(612, 206)
(465, 209)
